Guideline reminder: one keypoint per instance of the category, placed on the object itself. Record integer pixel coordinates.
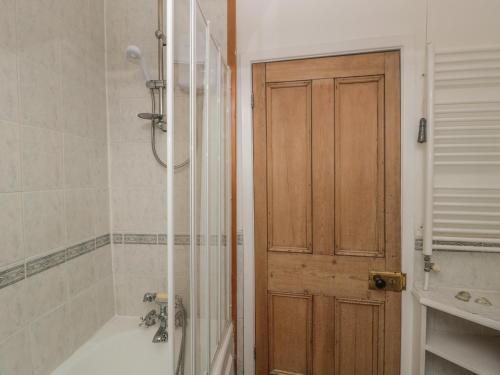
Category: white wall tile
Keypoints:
(79, 205)
(129, 291)
(11, 228)
(142, 260)
(75, 16)
(96, 108)
(15, 355)
(10, 163)
(39, 26)
(74, 107)
(105, 300)
(51, 341)
(101, 214)
(8, 92)
(80, 273)
(77, 165)
(83, 309)
(103, 263)
(99, 163)
(42, 159)
(45, 291)
(44, 227)
(12, 310)
(119, 212)
(8, 25)
(55, 71)
(133, 165)
(139, 210)
(40, 95)
(124, 125)
(96, 24)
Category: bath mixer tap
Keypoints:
(162, 334)
(149, 320)
(149, 297)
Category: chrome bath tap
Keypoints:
(149, 320)
(161, 334)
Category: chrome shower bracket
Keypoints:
(156, 84)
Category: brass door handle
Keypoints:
(388, 281)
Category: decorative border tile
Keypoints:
(12, 275)
(182, 239)
(44, 263)
(102, 241)
(37, 265)
(143, 239)
(80, 249)
(117, 238)
(159, 239)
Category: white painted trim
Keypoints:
(410, 102)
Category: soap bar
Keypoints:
(161, 297)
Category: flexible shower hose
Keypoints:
(153, 138)
(180, 362)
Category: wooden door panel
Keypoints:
(327, 211)
(342, 276)
(290, 328)
(323, 165)
(359, 337)
(359, 166)
(323, 335)
(326, 67)
(289, 167)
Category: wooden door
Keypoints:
(327, 211)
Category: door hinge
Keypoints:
(254, 353)
(252, 101)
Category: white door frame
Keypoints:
(411, 99)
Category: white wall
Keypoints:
(286, 29)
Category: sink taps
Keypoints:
(162, 334)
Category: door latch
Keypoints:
(389, 281)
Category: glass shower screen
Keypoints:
(198, 195)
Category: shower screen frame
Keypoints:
(207, 245)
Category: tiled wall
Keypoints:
(138, 182)
(56, 284)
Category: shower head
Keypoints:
(134, 55)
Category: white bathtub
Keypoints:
(120, 347)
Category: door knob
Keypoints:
(379, 282)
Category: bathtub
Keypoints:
(121, 347)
